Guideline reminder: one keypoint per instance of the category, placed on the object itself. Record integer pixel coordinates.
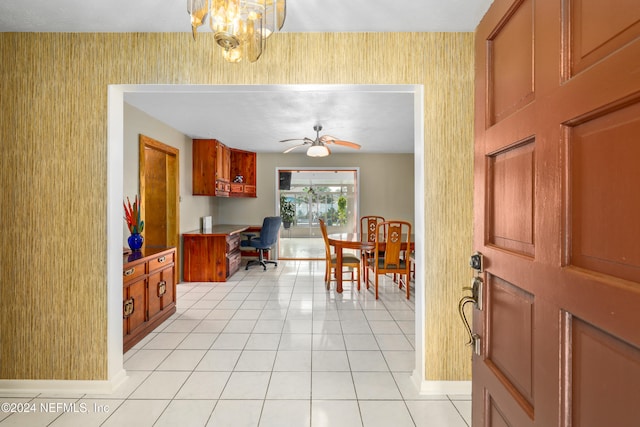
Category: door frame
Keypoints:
(148, 142)
(279, 169)
(115, 152)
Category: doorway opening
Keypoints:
(115, 149)
(310, 195)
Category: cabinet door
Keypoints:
(134, 303)
(155, 293)
(169, 296)
(161, 291)
(222, 162)
(204, 167)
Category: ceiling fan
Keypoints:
(317, 147)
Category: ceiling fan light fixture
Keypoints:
(317, 147)
(318, 150)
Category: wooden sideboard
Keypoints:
(213, 256)
(148, 293)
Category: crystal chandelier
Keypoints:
(240, 27)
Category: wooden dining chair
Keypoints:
(368, 226)
(393, 240)
(348, 260)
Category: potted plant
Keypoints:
(342, 209)
(287, 211)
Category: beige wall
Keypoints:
(138, 123)
(53, 170)
(389, 194)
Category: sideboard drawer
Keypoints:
(161, 261)
(133, 272)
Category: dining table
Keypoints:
(357, 241)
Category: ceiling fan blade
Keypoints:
(305, 139)
(332, 140)
(293, 148)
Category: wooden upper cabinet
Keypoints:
(223, 159)
(243, 173)
(215, 166)
(204, 167)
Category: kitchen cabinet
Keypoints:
(217, 170)
(243, 173)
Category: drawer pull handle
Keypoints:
(128, 307)
(130, 271)
(162, 259)
(162, 288)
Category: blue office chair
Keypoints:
(268, 238)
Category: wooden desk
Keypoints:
(352, 241)
(212, 256)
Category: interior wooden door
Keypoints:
(160, 193)
(557, 214)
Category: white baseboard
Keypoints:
(7, 387)
(445, 387)
(427, 388)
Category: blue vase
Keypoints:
(135, 241)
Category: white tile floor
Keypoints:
(266, 349)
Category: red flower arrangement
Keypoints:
(132, 216)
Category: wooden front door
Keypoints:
(557, 202)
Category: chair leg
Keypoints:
(407, 285)
(377, 275)
(263, 262)
(327, 272)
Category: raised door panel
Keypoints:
(511, 203)
(599, 29)
(605, 373)
(510, 62)
(603, 165)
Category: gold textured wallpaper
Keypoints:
(53, 131)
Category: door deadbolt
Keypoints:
(477, 262)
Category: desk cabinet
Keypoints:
(213, 256)
(148, 293)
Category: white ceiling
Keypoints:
(321, 16)
(257, 117)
